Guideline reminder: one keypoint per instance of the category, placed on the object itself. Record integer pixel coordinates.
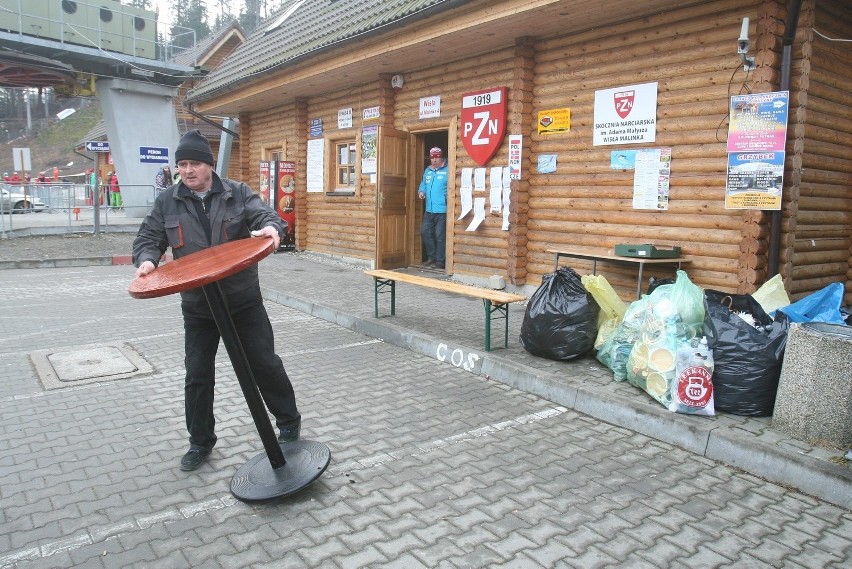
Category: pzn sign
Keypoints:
(483, 117)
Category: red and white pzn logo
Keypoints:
(624, 102)
(483, 123)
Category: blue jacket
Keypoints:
(434, 185)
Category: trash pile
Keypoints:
(694, 350)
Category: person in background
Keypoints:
(106, 186)
(433, 229)
(163, 180)
(56, 173)
(15, 179)
(176, 175)
(114, 191)
(41, 179)
(202, 211)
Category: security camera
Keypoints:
(742, 47)
(743, 43)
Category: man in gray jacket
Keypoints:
(200, 211)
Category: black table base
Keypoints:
(284, 468)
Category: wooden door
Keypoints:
(392, 239)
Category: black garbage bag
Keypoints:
(561, 320)
(748, 350)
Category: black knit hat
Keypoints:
(194, 146)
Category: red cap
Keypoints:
(435, 152)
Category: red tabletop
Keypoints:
(201, 268)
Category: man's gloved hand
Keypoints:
(268, 231)
(145, 268)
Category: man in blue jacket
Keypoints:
(433, 189)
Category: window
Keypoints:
(345, 159)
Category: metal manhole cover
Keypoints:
(63, 367)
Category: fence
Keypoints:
(64, 205)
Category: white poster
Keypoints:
(344, 118)
(478, 214)
(430, 107)
(479, 179)
(496, 193)
(651, 178)
(316, 172)
(516, 143)
(626, 115)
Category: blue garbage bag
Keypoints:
(820, 306)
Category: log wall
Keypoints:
(818, 210)
(691, 54)
(484, 251)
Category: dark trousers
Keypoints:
(201, 342)
(433, 230)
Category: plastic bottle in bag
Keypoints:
(692, 389)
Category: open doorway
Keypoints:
(424, 143)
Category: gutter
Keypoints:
(199, 116)
(794, 8)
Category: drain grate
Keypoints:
(60, 367)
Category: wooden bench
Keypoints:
(494, 300)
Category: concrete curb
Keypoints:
(824, 480)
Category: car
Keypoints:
(20, 203)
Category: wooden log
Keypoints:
(837, 271)
(808, 217)
(808, 188)
(803, 287)
(806, 245)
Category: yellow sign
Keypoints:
(554, 120)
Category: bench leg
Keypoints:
(503, 309)
(381, 286)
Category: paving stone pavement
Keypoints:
(432, 465)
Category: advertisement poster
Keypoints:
(266, 183)
(285, 200)
(757, 137)
(754, 180)
(554, 121)
(758, 122)
(369, 149)
(625, 115)
(516, 145)
(653, 169)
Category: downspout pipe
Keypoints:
(793, 11)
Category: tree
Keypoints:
(250, 16)
(191, 14)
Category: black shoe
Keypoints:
(194, 458)
(428, 264)
(290, 434)
(440, 266)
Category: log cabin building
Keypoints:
(322, 83)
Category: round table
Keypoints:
(285, 468)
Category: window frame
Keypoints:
(352, 138)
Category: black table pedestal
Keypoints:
(285, 468)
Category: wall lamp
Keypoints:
(742, 48)
(397, 82)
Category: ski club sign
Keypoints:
(483, 123)
(626, 115)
